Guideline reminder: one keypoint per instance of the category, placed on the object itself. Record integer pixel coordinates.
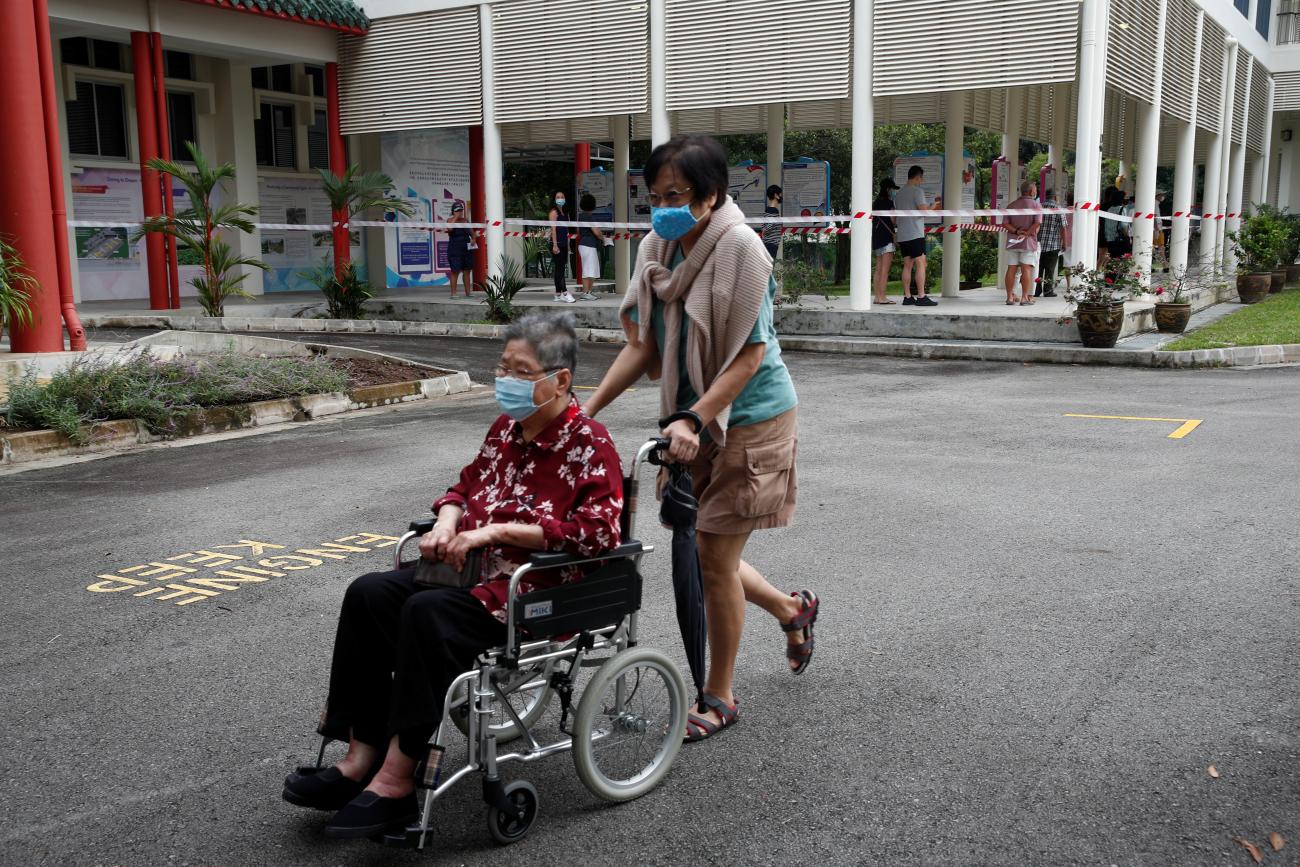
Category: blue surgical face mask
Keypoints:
(515, 396)
(559, 200)
(672, 223)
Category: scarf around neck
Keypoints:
(720, 287)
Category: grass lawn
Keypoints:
(1276, 319)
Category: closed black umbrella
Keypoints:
(678, 511)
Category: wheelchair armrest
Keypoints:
(541, 560)
(422, 526)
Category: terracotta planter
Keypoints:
(1172, 318)
(1252, 288)
(1292, 273)
(1276, 281)
(1099, 325)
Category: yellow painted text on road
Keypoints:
(1186, 425)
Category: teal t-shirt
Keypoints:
(768, 393)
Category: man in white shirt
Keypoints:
(911, 235)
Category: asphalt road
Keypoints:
(1037, 633)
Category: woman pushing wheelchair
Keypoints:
(547, 478)
(699, 317)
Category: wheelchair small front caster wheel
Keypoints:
(510, 826)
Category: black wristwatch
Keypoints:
(683, 415)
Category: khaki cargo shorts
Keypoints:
(750, 483)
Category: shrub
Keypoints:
(159, 393)
(345, 295)
(500, 290)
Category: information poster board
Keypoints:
(805, 189)
(935, 166)
(638, 197)
(109, 265)
(289, 252)
(599, 184)
(747, 185)
(1006, 183)
(430, 170)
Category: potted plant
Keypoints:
(198, 229)
(1291, 246)
(1172, 309)
(15, 287)
(979, 257)
(1257, 244)
(1097, 297)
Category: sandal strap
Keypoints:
(807, 615)
(799, 652)
(727, 713)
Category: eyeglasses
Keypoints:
(672, 196)
(524, 373)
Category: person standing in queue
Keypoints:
(883, 242)
(699, 318)
(560, 248)
(589, 240)
(771, 232)
(911, 236)
(460, 261)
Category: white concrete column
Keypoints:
(776, 150)
(1060, 127)
(1185, 165)
(494, 203)
(1225, 162)
(1148, 158)
(1087, 144)
(620, 126)
(660, 126)
(236, 143)
(864, 121)
(1213, 167)
(954, 161)
(1259, 183)
(1285, 172)
(1013, 121)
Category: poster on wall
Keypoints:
(110, 267)
(805, 189)
(935, 166)
(747, 184)
(638, 197)
(1006, 183)
(295, 201)
(599, 184)
(430, 170)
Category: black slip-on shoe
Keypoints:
(326, 789)
(908, 299)
(369, 814)
(927, 301)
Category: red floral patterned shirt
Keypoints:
(568, 480)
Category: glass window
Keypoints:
(181, 124)
(1263, 15)
(274, 132)
(178, 64)
(274, 78)
(316, 75)
(1243, 6)
(318, 141)
(98, 53)
(97, 120)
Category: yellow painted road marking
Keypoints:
(1187, 424)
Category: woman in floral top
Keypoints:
(547, 478)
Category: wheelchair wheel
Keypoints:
(509, 828)
(529, 692)
(629, 724)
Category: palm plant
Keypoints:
(501, 288)
(197, 228)
(15, 287)
(355, 192)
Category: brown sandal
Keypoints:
(802, 653)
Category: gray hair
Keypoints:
(551, 337)
(1027, 187)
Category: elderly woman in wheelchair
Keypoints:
(546, 479)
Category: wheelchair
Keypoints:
(625, 727)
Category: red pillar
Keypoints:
(146, 122)
(478, 201)
(581, 163)
(165, 151)
(25, 205)
(338, 164)
(54, 164)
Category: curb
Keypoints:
(119, 434)
(937, 350)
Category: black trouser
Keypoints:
(559, 262)
(1047, 262)
(398, 648)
